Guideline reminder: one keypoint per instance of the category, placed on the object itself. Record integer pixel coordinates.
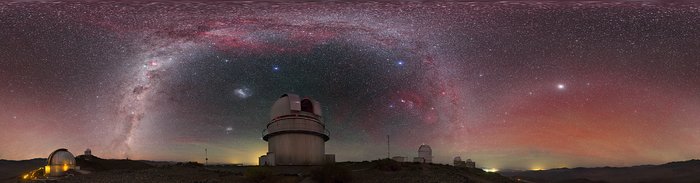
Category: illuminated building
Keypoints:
(59, 162)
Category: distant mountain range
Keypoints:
(684, 171)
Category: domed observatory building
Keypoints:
(296, 134)
(59, 162)
(425, 154)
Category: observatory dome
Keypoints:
(296, 134)
(61, 157)
(291, 104)
(426, 153)
(424, 148)
(458, 159)
(59, 162)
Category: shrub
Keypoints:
(331, 173)
(258, 174)
(190, 164)
(387, 165)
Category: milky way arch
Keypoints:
(508, 84)
(243, 33)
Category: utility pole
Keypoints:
(388, 148)
(206, 157)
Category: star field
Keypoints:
(508, 84)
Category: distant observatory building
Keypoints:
(88, 154)
(458, 162)
(425, 154)
(296, 133)
(59, 162)
(468, 163)
(399, 158)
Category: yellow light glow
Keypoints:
(491, 170)
(65, 167)
(25, 176)
(256, 156)
(234, 160)
(47, 169)
(536, 168)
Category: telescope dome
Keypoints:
(61, 157)
(291, 104)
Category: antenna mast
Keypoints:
(206, 157)
(388, 148)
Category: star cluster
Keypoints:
(507, 84)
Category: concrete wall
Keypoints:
(399, 158)
(297, 149)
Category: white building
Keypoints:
(399, 158)
(468, 163)
(425, 154)
(458, 162)
(296, 133)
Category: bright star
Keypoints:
(561, 86)
(400, 62)
(276, 68)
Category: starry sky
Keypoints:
(521, 85)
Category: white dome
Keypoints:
(61, 157)
(424, 148)
(458, 158)
(290, 104)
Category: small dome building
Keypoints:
(59, 162)
(426, 153)
(458, 162)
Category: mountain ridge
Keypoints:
(676, 171)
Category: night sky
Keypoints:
(523, 85)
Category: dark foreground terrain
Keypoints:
(9, 169)
(384, 171)
(678, 172)
(380, 171)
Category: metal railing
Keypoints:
(264, 132)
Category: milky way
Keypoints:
(508, 84)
